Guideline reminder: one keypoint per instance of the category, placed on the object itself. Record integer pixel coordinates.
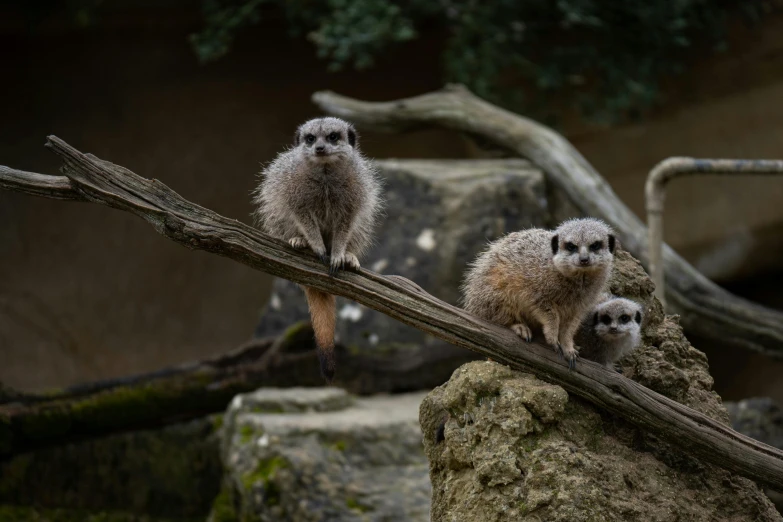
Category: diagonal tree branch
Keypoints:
(199, 228)
(706, 309)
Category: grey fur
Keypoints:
(327, 202)
(534, 279)
(322, 194)
(610, 331)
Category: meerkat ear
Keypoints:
(352, 136)
(555, 243)
(638, 317)
(611, 243)
(297, 138)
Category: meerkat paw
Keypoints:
(523, 331)
(351, 261)
(298, 242)
(569, 354)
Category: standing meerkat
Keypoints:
(611, 331)
(542, 279)
(322, 194)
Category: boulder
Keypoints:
(440, 214)
(317, 454)
(504, 445)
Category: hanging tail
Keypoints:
(322, 316)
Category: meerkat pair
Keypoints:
(547, 281)
(322, 194)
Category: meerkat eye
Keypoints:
(571, 247)
(625, 318)
(595, 247)
(310, 139)
(333, 137)
(606, 319)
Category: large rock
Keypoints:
(504, 445)
(440, 215)
(319, 454)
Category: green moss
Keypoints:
(246, 433)
(354, 504)
(265, 474)
(523, 508)
(290, 333)
(217, 422)
(262, 409)
(223, 507)
(339, 445)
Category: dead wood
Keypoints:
(706, 309)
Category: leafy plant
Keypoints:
(609, 57)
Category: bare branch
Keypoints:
(706, 309)
(196, 227)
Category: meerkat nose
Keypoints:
(320, 149)
(584, 261)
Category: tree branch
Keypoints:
(199, 228)
(706, 309)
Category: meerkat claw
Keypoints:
(522, 331)
(351, 261)
(298, 242)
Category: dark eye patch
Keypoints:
(625, 318)
(334, 136)
(310, 139)
(606, 319)
(595, 247)
(570, 247)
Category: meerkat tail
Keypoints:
(322, 316)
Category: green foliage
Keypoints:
(608, 57)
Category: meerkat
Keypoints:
(611, 331)
(542, 279)
(322, 194)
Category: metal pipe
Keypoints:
(655, 195)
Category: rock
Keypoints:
(440, 215)
(336, 458)
(762, 419)
(172, 472)
(504, 445)
(758, 417)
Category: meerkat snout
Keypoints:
(578, 247)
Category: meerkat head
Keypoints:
(583, 244)
(326, 140)
(617, 318)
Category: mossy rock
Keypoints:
(504, 445)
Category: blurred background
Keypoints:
(200, 94)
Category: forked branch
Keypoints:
(706, 309)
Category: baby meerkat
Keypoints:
(322, 194)
(611, 331)
(542, 279)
